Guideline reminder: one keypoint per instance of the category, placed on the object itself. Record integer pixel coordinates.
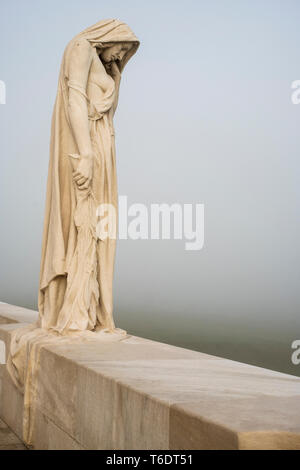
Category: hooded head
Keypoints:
(112, 34)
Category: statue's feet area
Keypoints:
(136, 393)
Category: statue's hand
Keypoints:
(115, 71)
(84, 173)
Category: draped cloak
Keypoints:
(67, 236)
(60, 236)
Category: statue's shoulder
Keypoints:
(81, 42)
(79, 49)
(77, 56)
(78, 44)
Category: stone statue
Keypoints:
(77, 267)
(75, 292)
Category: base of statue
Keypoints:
(142, 394)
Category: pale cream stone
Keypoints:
(75, 291)
(141, 394)
(11, 405)
(77, 266)
(8, 440)
(14, 314)
(47, 435)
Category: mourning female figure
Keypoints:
(75, 292)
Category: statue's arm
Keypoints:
(80, 63)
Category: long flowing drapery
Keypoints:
(59, 307)
(75, 291)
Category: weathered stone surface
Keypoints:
(141, 394)
(254, 422)
(47, 435)
(11, 405)
(14, 314)
(75, 290)
(8, 440)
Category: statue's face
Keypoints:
(115, 52)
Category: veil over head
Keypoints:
(111, 31)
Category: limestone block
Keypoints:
(8, 440)
(11, 405)
(48, 436)
(142, 394)
(241, 423)
(14, 314)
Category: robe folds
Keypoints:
(75, 291)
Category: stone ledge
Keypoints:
(142, 394)
(13, 314)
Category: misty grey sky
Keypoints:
(205, 116)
